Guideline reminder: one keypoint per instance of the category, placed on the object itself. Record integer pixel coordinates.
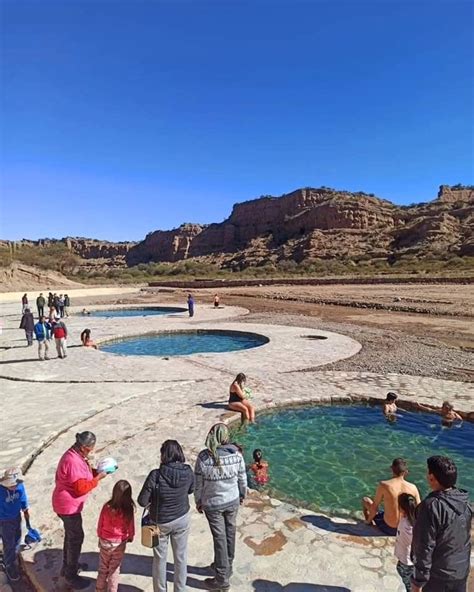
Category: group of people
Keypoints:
(58, 305)
(449, 417)
(191, 303)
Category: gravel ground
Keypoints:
(384, 351)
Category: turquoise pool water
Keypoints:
(184, 343)
(136, 312)
(327, 458)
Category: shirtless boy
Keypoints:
(387, 493)
(390, 405)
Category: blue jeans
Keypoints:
(10, 532)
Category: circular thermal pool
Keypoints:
(328, 457)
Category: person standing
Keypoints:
(441, 545)
(60, 337)
(166, 490)
(67, 304)
(13, 501)
(75, 479)
(190, 305)
(220, 487)
(28, 324)
(40, 302)
(216, 300)
(56, 304)
(61, 305)
(24, 302)
(51, 303)
(43, 337)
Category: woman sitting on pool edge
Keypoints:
(86, 339)
(238, 400)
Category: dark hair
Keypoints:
(240, 378)
(443, 470)
(407, 503)
(391, 397)
(171, 451)
(85, 335)
(86, 439)
(447, 405)
(399, 466)
(121, 500)
(257, 455)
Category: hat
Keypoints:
(11, 477)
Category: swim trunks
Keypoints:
(383, 526)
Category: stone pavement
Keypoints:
(133, 404)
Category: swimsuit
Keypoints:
(234, 398)
(383, 526)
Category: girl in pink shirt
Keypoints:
(116, 528)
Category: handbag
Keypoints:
(150, 530)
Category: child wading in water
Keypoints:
(259, 468)
(115, 529)
(407, 505)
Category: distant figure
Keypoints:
(442, 532)
(86, 339)
(61, 305)
(85, 312)
(387, 493)
(67, 304)
(24, 303)
(190, 305)
(259, 468)
(60, 337)
(40, 302)
(50, 302)
(56, 305)
(116, 528)
(28, 324)
(216, 301)
(449, 416)
(43, 336)
(238, 400)
(390, 405)
(407, 507)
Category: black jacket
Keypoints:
(27, 322)
(167, 491)
(441, 545)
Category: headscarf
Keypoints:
(218, 435)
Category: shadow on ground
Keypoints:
(212, 405)
(268, 586)
(359, 529)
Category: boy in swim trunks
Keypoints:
(387, 493)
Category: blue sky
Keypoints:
(118, 118)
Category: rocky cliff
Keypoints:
(307, 224)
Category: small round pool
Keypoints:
(328, 457)
(184, 343)
(136, 312)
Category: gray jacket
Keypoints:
(220, 487)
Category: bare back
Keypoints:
(390, 490)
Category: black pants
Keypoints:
(73, 539)
(442, 586)
(40, 311)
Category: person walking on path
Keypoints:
(75, 479)
(190, 305)
(28, 324)
(166, 491)
(441, 544)
(220, 487)
(13, 501)
(387, 493)
(24, 303)
(116, 528)
(60, 337)
(40, 302)
(43, 337)
(67, 304)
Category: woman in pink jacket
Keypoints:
(75, 479)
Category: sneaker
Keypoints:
(12, 573)
(213, 584)
(78, 583)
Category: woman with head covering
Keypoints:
(220, 487)
(75, 479)
(166, 492)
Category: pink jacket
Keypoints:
(113, 527)
(74, 481)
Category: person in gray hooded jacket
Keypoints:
(166, 492)
(220, 487)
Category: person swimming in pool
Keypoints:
(387, 493)
(238, 400)
(390, 406)
(259, 468)
(448, 415)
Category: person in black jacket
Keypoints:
(441, 544)
(166, 491)
(28, 324)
